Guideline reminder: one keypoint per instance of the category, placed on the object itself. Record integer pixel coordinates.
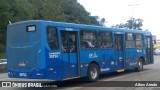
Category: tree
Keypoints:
(135, 23)
(132, 23)
(139, 23)
(102, 22)
(121, 25)
(54, 10)
(5, 16)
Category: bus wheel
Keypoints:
(93, 72)
(140, 65)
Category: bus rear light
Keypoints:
(22, 64)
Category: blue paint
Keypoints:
(41, 62)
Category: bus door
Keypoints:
(148, 49)
(69, 42)
(119, 51)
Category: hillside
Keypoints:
(55, 10)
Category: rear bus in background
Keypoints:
(38, 49)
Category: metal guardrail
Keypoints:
(3, 60)
(3, 63)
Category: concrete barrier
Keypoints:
(3, 60)
(3, 66)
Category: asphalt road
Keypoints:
(150, 73)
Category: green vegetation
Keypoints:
(3, 55)
(55, 10)
(132, 23)
(2, 51)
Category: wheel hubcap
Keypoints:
(140, 65)
(93, 73)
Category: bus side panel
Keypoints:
(53, 65)
(105, 58)
(109, 62)
(131, 58)
(53, 59)
(87, 56)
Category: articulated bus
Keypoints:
(39, 49)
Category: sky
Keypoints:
(119, 11)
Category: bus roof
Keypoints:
(80, 26)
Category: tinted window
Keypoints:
(130, 36)
(139, 40)
(88, 39)
(105, 39)
(52, 37)
(69, 41)
(130, 42)
(118, 42)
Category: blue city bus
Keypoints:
(39, 49)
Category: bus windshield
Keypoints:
(19, 36)
(25, 40)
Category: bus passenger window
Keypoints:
(52, 37)
(72, 42)
(105, 39)
(64, 43)
(88, 39)
(139, 40)
(130, 42)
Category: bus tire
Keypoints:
(93, 72)
(140, 65)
